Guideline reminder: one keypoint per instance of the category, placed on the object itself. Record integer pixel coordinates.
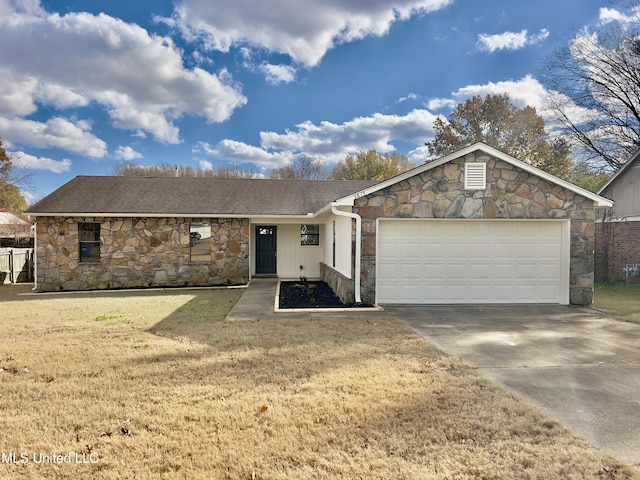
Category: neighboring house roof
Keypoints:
(599, 201)
(620, 172)
(13, 226)
(191, 197)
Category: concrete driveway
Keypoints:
(578, 369)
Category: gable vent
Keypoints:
(475, 176)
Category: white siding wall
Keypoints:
(343, 258)
(344, 227)
(626, 194)
(291, 254)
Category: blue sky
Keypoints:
(207, 83)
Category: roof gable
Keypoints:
(599, 201)
(620, 172)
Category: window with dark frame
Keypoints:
(89, 241)
(309, 235)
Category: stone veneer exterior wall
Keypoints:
(343, 287)
(139, 252)
(510, 194)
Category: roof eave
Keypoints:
(168, 215)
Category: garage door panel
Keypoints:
(503, 271)
(469, 262)
(434, 250)
(412, 271)
(479, 270)
(388, 269)
(548, 272)
(457, 249)
(527, 273)
(526, 250)
(547, 292)
(457, 271)
(431, 291)
(502, 292)
(479, 292)
(457, 294)
(387, 249)
(548, 251)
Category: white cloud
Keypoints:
(541, 36)
(56, 132)
(527, 91)
(608, 15)
(333, 141)
(205, 165)
(127, 153)
(75, 59)
(327, 142)
(24, 160)
(244, 153)
(410, 96)
(523, 92)
(502, 41)
(60, 96)
(305, 29)
(31, 7)
(17, 93)
(277, 74)
(438, 103)
(420, 155)
(509, 40)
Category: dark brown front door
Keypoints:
(265, 250)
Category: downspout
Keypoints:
(358, 220)
(33, 259)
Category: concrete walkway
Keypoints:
(257, 302)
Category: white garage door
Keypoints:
(434, 262)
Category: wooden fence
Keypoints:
(16, 265)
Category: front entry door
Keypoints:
(265, 250)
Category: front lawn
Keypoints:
(618, 300)
(158, 385)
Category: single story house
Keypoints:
(15, 231)
(476, 226)
(618, 227)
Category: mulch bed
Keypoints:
(313, 294)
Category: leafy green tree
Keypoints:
(587, 177)
(11, 198)
(494, 120)
(370, 165)
(5, 164)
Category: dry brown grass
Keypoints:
(158, 385)
(618, 300)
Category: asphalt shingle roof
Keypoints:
(182, 196)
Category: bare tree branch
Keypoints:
(595, 91)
